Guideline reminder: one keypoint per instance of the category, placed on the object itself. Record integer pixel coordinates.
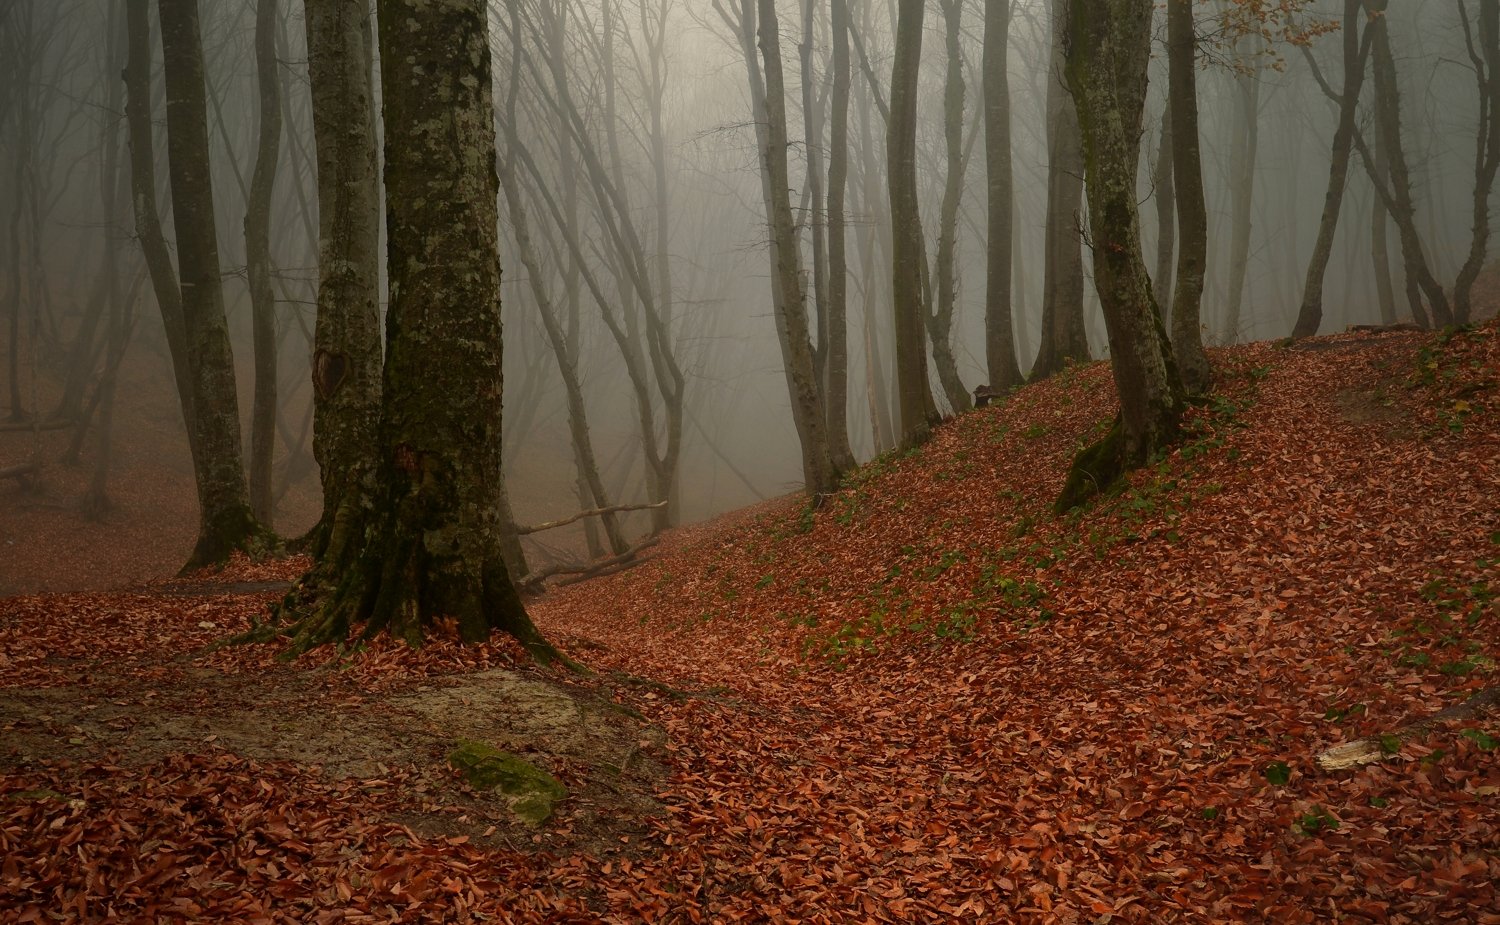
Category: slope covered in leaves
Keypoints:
(924, 698)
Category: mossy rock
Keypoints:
(530, 791)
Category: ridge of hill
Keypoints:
(922, 698)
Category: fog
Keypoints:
(660, 93)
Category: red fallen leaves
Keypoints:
(1106, 764)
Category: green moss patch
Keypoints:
(530, 791)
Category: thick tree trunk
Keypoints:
(1063, 335)
(908, 248)
(999, 332)
(807, 405)
(1487, 152)
(1419, 278)
(1109, 48)
(346, 354)
(1192, 213)
(258, 264)
(1356, 52)
(432, 537)
(836, 369)
(1242, 161)
(226, 523)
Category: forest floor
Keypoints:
(925, 699)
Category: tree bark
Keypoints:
(1063, 335)
(1166, 214)
(226, 524)
(940, 321)
(432, 537)
(1192, 213)
(1242, 161)
(1356, 52)
(836, 369)
(908, 247)
(1109, 48)
(1380, 251)
(346, 353)
(258, 264)
(999, 331)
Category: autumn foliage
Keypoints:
(923, 699)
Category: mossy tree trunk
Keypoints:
(432, 536)
(225, 523)
(1108, 49)
(346, 355)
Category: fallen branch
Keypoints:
(21, 471)
(554, 524)
(21, 427)
(586, 569)
(1383, 328)
(1373, 748)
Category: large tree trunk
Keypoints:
(836, 368)
(1419, 278)
(1109, 48)
(225, 523)
(1063, 335)
(1487, 151)
(1242, 160)
(432, 538)
(1310, 315)
(999, 332)
(143, 195)
(1192, 213)
(346, 354)
(807, 406)
(908, 248)
(258, 264)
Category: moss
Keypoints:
(1094, 470)
(530, 791)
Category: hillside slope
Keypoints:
(924, 700)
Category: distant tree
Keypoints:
(1486, 61)
(346, 341)
(1063, 336)
(1108, 50)
(1192, 213)
(430, 540)
(226, 523)
(999, 333)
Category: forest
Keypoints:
(689, 461)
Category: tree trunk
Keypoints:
(908, 247)
(836, 369)
(1356, 52)
(1192, 213)
(1166, 215)
(940, 321)
(258, 264)
(226, 523)
(1109, 48)
(1242, 161)
(432, 537)
(1487, 151)
(1063, 335)
(1380, 251)
(999, 332)
(346, 355)
(807, 406)
(1419, 279)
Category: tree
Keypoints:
(836, 367)
(430, 540)
(1486, 62)
(956, 149)
(999, 335)
(258, 263)
(1356, 53)
(908, 251)
(346, 347)
(1108, 50)
(1063, 336)
(225, 521)
(1192, 214)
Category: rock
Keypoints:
(529, 791)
